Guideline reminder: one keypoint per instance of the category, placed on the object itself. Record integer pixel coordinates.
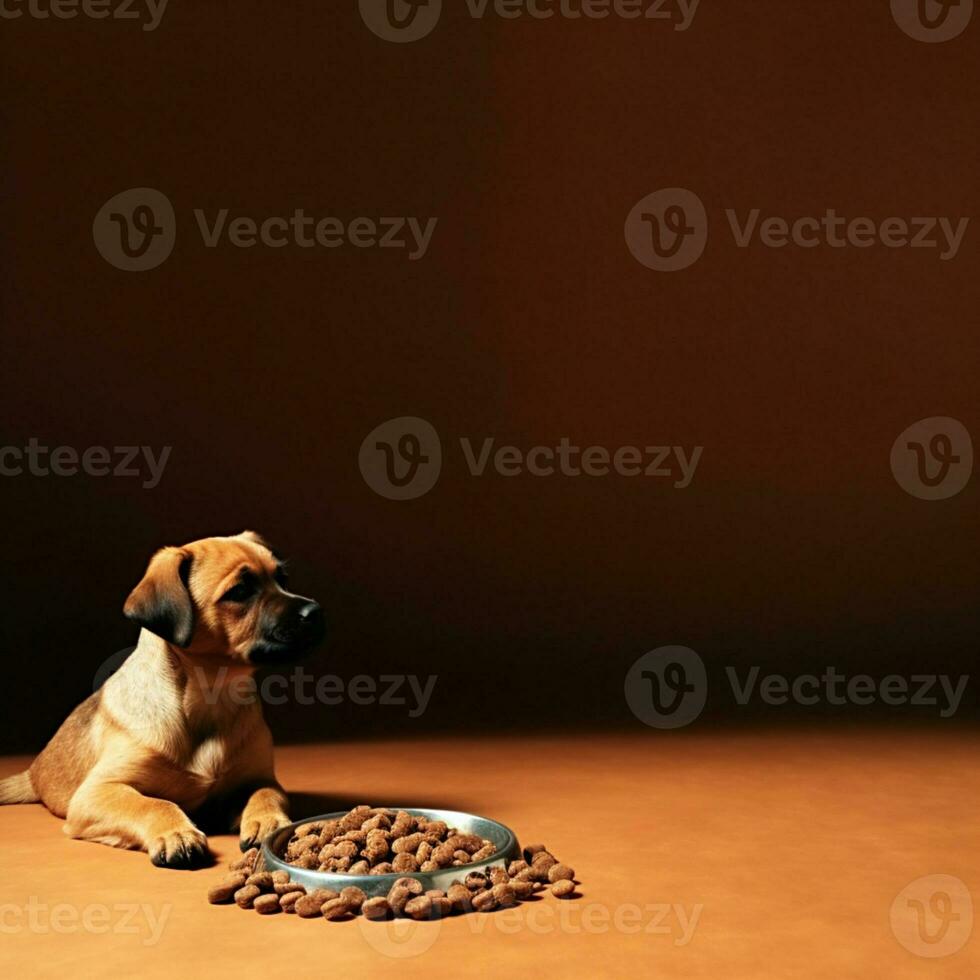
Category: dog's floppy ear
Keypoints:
(161, 602)
(256, 538)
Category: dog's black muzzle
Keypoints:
(289, 631)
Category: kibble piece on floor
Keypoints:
(247, 861)
(504, 894)
(516, 867)
(335, 909)
(560, 872)
(289, 900)
(475, 880)
(262, 880)
(484, 901)
(419, 907)
(498, 876)
(460, 897)
(246, 895)
(309, 905)
(531, 850)
(398, 898)
(267, 904)
(288, 886)
(376, 908)
(441, 907)
(564, 888)
(540, 869)
(280, 878)
(225, 889)
(353, 896)
(522, 889)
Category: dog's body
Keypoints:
(170, 732)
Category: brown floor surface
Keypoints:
(764, 855)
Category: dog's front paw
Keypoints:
(181, 849)
(256, 829)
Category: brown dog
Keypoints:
(169, 733)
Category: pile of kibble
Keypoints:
(372, 835)
(382, 842)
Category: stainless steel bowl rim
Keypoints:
(508, 849)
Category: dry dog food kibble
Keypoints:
(336, 908)
(375, 841)
(288, 901)
(225, 890)
(563, 888)
(376, 908)
(367, 840)
(267, 904)
(244, 897)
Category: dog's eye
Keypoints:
(239, 593)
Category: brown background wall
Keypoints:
(528, 320)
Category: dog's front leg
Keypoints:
(116, 814)
(266, 810)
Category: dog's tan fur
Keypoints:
(169, 733)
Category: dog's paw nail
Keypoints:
(256, 831)
(182, 849)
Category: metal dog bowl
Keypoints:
(468, 823)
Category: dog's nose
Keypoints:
(310, 614)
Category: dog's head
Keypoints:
(226, 597)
